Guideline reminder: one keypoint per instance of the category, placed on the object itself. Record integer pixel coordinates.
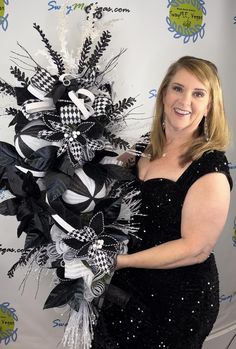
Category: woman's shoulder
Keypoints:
(215, 158)
(213, 161)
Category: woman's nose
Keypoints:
(186, 98)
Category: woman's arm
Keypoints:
(204, 215)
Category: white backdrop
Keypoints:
(142, 28)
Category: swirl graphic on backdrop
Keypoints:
(8, 332)
(3, 15)
(186, 19)
(231, 341)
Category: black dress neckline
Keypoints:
(167, 179)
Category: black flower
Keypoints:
(74, 139)
(99, 246)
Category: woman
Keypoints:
(165, 292)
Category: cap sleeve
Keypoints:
(209, 162)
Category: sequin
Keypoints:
(169, 308)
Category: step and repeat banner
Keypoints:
(153, 34)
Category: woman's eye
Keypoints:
(199, 94)
(177, 88)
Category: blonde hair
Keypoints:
(218, 129)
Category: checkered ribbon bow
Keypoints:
(102, 106)
(40, 85)
(43, 80)
(89, 79)
(70, 114)
(95, 245)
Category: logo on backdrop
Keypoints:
(59, 323)
(227, 298)
(55, 6)
(185, 19)
(8, 318)
(152, 93)
(4, 250)
(3, 14)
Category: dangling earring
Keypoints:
(205, 130)
(163, 124)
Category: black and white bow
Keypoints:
(95, 244)
(74, 140)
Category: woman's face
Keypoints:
(186, 100)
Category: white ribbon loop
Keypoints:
(39, 174)
(36, 107)
(45, 103)
(37, 92)
(66, 78)
(75, 269)
(85, 108)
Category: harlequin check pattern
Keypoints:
(101, 105)
(83, 235)
(94, 144)
(100, 259)
(76, 150)
(43, 80)
(70, 114)
(89, 80)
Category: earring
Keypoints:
(163, 124)
(205, 129)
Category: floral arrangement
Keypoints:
(62, 179)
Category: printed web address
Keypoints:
(82, 6)
(4, 250)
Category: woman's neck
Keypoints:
(177, 139)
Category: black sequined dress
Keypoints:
(172, 308)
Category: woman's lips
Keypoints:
(182, 112)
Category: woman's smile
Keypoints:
(181, 112)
